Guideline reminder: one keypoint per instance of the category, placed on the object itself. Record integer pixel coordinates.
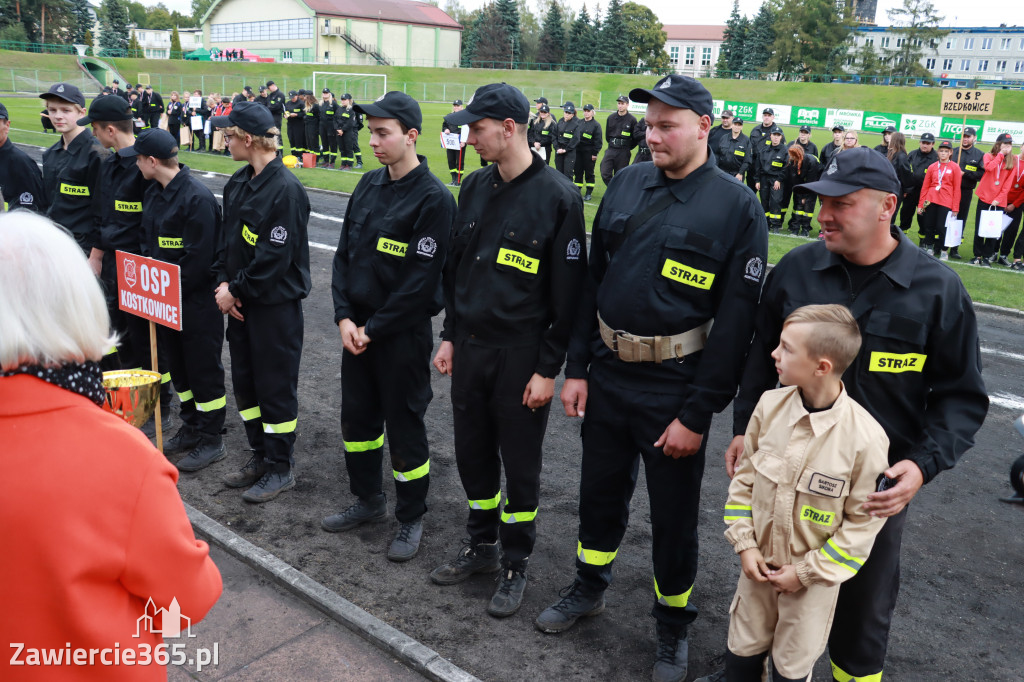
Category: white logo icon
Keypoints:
(426, 247)
(170, 621)
(754, 269)
(26, 198)
(572, 251)
(832, 168)
(666, 84)
(278, 235)
(129, 272)
(60, 88)
(381, 97)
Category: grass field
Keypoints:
(995, 285)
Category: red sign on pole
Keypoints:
(149, 288)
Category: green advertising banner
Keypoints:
(745, 110)
(808, 116)
(878, 121)
(953, 127)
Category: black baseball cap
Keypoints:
(544, 109)
(399, 106)
(541, 100)
(248, 88)
(927, 137)
(889, 129)
(768, 110)
(66, 92)
(970, 131)
(728, 113)
(269, 83)
(263, 88)
(805, 129)
(117, 82)
(457, 103)
(495, 100)
(107, 108)
(622, 98)
(838, 129)
(681, 92)
(945, 144)
(325, 90)
(154, 142)
(346, 96)
(588, 107)
(569, 108)
(776, 130)
(1006, 138)
(293, 93)
(737, 121)
(855, 169)
(148, 86)
(252, 117)
(3, 112)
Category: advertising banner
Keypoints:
(717, 107)
(782, 112)
(745, 110)
(878, 121)
(953, 127)
(913, 125)
(994, 129)
(809, 116)
(848, 118)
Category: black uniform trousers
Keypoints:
(329, 136)
(583, 174)
(297, 138)
(771, 202)
(909, 208)
(455, 159)
(566, 163)
(312, 135)
(932, 225)
(803, 211)
(615, 159)
(357, 154)
(196, 370)
(493, 428)
(984, 247)
(860, 627)
(345, 142)
(265, 354)
(620, 428)
(154, 119)
(138, 334)
(389, 384)
(1006, 243)
(174, 128)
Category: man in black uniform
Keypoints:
(643, 152)
(357, 124)
(116, 90)
(720, 132)
(295, 114)
(512, 285)
(263, 272)
(346, 128)
(759, 141)
(618, 132)
(21, 183)
(675, 245)
(918, 372)
(71, 172)
(589, 133)
(182, 225)
(771, 171)
(330, 124)
(733, 152)
(920, 159)
(804, 140)
(566, 141)
(262, 98)
(454, 155)
(387, 286)
(156, 106)
(830, 150)
(883, 148)
(972, 162)
(275, 102)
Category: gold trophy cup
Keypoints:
(132, 394)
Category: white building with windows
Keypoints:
(980, 53)
(693, 50)
(156, 43)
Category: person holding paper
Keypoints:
(455, 156)
(196, 114)
(992, 191)
(940, 197)
(542, 132)
(1014, 209)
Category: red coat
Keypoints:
(1015, 193)
(994, 186)
(942, 185)
(94, 526)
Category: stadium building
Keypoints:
(693, 50)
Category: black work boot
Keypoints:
(673, 654)
(363, 511)
(509, 596)
(954, 253)
(576, 602)
(472, 559)
(407, 541)
(210, 450)
(149, 428)
(184, 439)
(270, 485)
(250, 472)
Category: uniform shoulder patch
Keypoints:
(572, 250)
(753, 270)
(26, 199)
(278, 235)
(426, 247)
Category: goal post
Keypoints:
(364, 87)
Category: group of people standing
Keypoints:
(327, 129)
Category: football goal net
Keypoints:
(364, 87)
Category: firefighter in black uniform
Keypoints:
(804, 141)
(295, 114)
(357, 156)
(203, 112)
(513, 282)
(643, 152)
(675, 245)
(803, 168)
(830, 150)
(175, 114)
(883, 148)
(263, 273)
(138, 111)
(454, 155)
(156, 106)
(387, 286)
(348, 127)
(589, 146)
(566, 141)
(71, 172)
(330, 115)
(619, 132)
(311, 124)
(21, 183)
(759, 141)
(542, 132)
(182, 225)
(275, 102)
(733, 152)
(972, 162)
(721, 131)
(771, 173)
(918, 372)
(920, 159)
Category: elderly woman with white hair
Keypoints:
(93, 523)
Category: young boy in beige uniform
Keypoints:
(812, 456)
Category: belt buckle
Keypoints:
(616, 335)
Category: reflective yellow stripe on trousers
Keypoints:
(490, 503)
(843, 676)
(418, 472)
(593, 557)
(250, 414)
(517, 517)
(364, 445)
(676, 600)
(215, 404)
(283, 427)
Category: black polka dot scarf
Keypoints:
(84, 378)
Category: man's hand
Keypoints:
(443, 359)
(538, 392)
(679, 441)
(785, 580)
(757, 185)
(228, 304)
(753, 565)
(1009, 209)
(96, 261)
(560, 151)
(909, 480)
(733, 454)
(574, 397)
(594, 157)
(777, 185)
(739, 176)
(351, 337)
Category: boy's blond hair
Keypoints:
(833, 333)
(261, 142)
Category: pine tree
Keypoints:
(176, 44)
(552, 38)
(759, 39)
(730, 55)
(493, 49)
(81, 18)
(580, 51)
(89, 41)
(509, 20)
(134, 49)
(613, 42)
(469, 40)
(114, 26)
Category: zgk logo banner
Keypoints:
(391, 247)
(518, 260)
(895, 363)
(822, 518)
(687, 275)
(77, 190)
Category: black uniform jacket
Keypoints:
(516, 266)
(733, 155)
(809, 148)
(332, 116)
(717, 134)
(296, 107)
(827, 152)
(760, 140)
(972, 163)
(901, 164)
(919, 368)
(882, 149)
(771, 163)
(275, 102)
(919, 162)
(618, 130)
(175, 112)
(123, 190)
(565, 134)
(264, 246)
(590, 136)
(182, 225)
(702, 258)
(346, 119)
(156, 104)
(539, 133)
(809, 171)
(71, 182)
(392, 249)
(21, 183)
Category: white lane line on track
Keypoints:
(313, 214)
(325, 247)
(1007, 400)
(1002, 353)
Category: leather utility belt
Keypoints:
(644, 150)
(619, 142)
(633, 348)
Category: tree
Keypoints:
(529, 38)
(469, 40)
(759, 39)
(580, 51)
(508, 13)
(493, 48)
(917, 23)
(551, 47)
(613, 46)
(114, 25)
(645, 37)
(867, 62)
(81, 16)
(199, 8)
(137, 14)
(730, 54)
(176, 44)
(811, 37)
(134, 49)
(89, 41)
(159, 18)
